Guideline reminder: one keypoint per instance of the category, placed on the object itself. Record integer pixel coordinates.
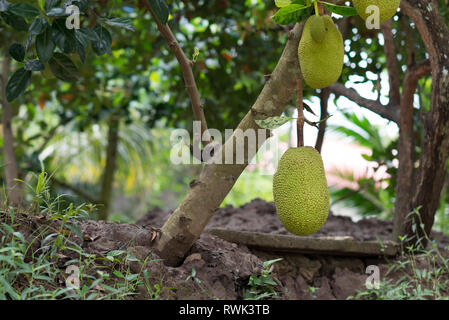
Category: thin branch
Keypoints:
(324, 99)
(300, 121)
(187, 73)
(372, 105)
(392, 63)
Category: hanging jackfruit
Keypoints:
(387, 8)
(300, 191)
(321, 62)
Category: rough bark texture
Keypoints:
(427, 181)
(109, 170)
(11, 170)
(406, 145)
(324, 100)
(188, 221)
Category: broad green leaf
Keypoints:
(273, 122)
(23, 9)
(341, 10)
(15, 21)
(4, 5)
(89, 33)
(34, 65)
(38, 26)
(17, 84)
(104, 41)
(57, 12)
(45, 45)
(160, 9)
(291, 14)
(50, 4)
(81, 4)
(17, 51)
(282, 3)
(63, 68)
(124, 23)
(64, 38)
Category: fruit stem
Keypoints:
(317, 11)
(300, 120)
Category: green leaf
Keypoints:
(63, 68)
(17, 51)
(341, 10)
(124, 23)
(34, 65)
(291, 14)
(38, 26)
(23, 9)
(57, 12)
(308, 108)
(4, 5)
(17, 84)
(45, 45)
(15, 21)
(81, 4)
(86, 32)
(160, 9)
(273, 122)
(104, 41)
(64, 38)
(282, 3)
(50, 4)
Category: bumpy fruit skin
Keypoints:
(321, 62)
(300, 190)
(317, 28)
(387, 8)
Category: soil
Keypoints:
(215, 268)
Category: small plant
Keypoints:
(261, 286)
(421, 273)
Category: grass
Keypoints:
(40, 259)
(422, 272)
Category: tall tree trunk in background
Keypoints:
(107, 182)
(14, 193)
(188, 221)
(427, 180)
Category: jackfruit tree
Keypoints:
(315, 57)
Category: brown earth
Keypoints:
(215, 268)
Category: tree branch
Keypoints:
(187, 73)
(374, 106)
(187, 222)
(300, 120)
(324, 99)
(392, 63)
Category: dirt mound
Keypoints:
(214, 268)
(260, 216)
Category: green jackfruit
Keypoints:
(387, 8)
(300, 191)
(317, 28)
(321, 62)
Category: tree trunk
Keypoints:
(107, 182)
(188, 221)
(13, 187)
(427, 181)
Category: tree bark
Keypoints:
(13, 187)
(107, 182)
(188, 221)
(427, 181)
(324, 101)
